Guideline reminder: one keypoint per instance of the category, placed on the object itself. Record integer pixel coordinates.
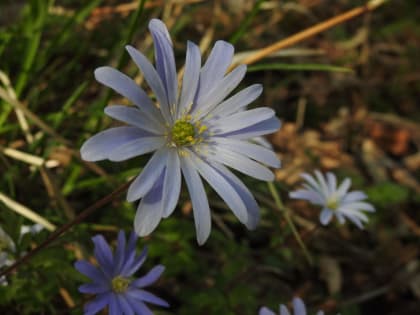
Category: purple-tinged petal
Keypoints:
(251, 150)
(265, 311)
(326, 216)
(172, 183)
(246, 196)
(262, 128)
(240, 163)
(136, 147)
(119, 253)
(114, 307)
(150, 278)
(139, 307)
(90, 271)
(150, 210)
(199, 200)
(101, 145)
(148, 177)
(97, 304)
(103, 254)
(135, 117)
(239, 120)
(216, 66)
(165, 60)
(125, 307)
(125, 86)
(153, 79)
(133, 263)
(283, 310)
(190, 79)
(220, 91)
(94, 288)
(223, 188)
(238, 101)
(147, 297)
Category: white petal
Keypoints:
(199, 200)
(354, 196)
(326, 216)
(343, 188)
(298, 306)
(133, 116)
(283, 310)
(332, 183)
(172, 183)
(259, 129)
(101, 145)
(309, 195)
(149, 175)
(265, 311)
(322, 183)
(359, 205)
(136, 147)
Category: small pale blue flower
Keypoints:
(298, 307)
(335, 200)
(113, 281)
(196, 132)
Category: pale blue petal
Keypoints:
(240, 163)
(238, 101)
(190, 79)
(216, 66)
(136, 147)
(153, 79)
(133, 263)
(134, 117)
(299, 307)
(262, 141)
(239, 120)
(165, 60)
(359, 205)
(265, 311)
(251, 150)
(147, 297)
(100, 146)
(283, 310)
(354, 213)
(262, 128)
(150, 278)
(223, 188)
(103, 254)
(94, 306)
(312, 183)
(125, 86)
(149, 175)
(150, 210)
(248, 199)
(326, 216)
(90, 271)
(356, 221)
(172, 183)
(322, 183)
(199, 200)
(139, 307)
(220, 91)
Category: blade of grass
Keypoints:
(298, 67)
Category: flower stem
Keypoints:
(58, 232)
(285, 211)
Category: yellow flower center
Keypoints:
(332, 203)
(183, 133)
(120, 284)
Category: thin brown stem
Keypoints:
(58, 232)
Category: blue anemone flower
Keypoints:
(335, 200)
(298, 307)
(196, 132)
(113, 281)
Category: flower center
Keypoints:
(120, 284)
(183, 133)
(332, 203)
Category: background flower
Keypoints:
(335, 200)
(298, 308)
(196, 133)
(113, 281)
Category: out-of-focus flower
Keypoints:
(196, 132)
(113, 281)
(335, 200)
(298, 308)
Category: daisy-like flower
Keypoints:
(113, 281)
(298, 307)
(335, 200)
(196, 133)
